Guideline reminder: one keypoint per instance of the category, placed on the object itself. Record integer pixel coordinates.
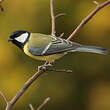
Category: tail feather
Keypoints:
(92, 49)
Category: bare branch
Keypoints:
(27, 85)
(44, 102)
(85, 20)
(52, 17)
(24, 88)
(56, 70)
(4, 97)
(2, 9)
(97, 3)
(31, 107)
(59, 15)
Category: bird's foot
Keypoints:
(48, 64)
(44, 67)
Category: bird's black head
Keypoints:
(19, 38)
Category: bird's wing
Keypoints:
(56, 45)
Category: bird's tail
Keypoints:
(92, 49)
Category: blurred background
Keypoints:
(87, 87)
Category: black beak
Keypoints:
(10, 39)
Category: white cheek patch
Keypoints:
(22, 38)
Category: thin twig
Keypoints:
(62, 35)
(52, 17)
(31, 107)
(4, 97)
(97, 3)
(59, 15)
(40, 106)
(85, 20)
(59, 70)
(44, 102)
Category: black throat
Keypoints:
(18, 44)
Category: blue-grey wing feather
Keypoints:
(57, 45)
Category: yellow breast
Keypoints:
(49, 58)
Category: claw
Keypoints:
(48, 64)
(42, 67)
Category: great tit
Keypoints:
(47, 47)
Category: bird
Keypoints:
(48, 48)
